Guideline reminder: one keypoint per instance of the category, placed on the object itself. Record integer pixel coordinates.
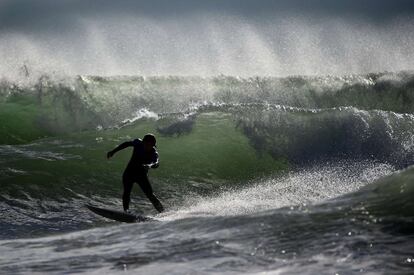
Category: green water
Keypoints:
(214, 152)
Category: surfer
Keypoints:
(144, 157)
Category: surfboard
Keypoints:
(119, 216)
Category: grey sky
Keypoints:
(209, 37)
(48, 15)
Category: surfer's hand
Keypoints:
(146, 166)
(109, 154)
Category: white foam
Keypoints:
(139, 114)
(301, 188)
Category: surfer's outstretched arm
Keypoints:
(119, 148)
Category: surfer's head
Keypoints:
(149, 142)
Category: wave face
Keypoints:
(291, 175)
(51, 105)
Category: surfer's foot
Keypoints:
(159, 207)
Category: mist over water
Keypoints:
(210, 43)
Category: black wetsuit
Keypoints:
(135, 172)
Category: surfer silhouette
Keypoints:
(144, 157)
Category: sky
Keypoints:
(194, 37)
(52, 15)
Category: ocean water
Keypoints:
(290, 175)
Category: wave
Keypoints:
(254, 138)
(260, 143)
(355, 226)
(308, 135)
(51, 106)
(233, 153)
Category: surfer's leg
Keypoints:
(128, 182)
(147, 189)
